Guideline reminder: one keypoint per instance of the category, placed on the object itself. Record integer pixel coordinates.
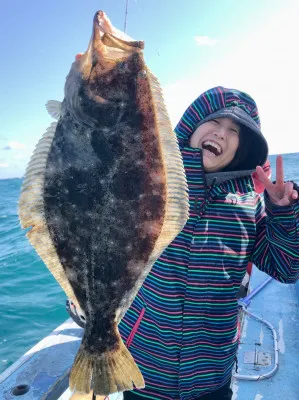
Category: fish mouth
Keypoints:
(100, 77)
(107, 46)
(105, 34)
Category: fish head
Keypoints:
(101, 85)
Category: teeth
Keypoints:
(213, 144)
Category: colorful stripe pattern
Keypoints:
(211, 101)
(182, 326)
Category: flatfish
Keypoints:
(103, 195)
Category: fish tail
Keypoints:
(106, 373)
(81, 372)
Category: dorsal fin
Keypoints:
(32, 214)
(54, 108)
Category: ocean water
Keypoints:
(31, 302)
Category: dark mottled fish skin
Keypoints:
(104, 194)
(104, 205)
(100, 206)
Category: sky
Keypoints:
(190, 45)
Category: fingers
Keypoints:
(263, 178)
(279, 170)
(289, 195)
(294, 195)
(288, 192)
(281, 193)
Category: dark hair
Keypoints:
(244, 158)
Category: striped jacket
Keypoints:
(182, 326)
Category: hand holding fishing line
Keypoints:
(281, 193)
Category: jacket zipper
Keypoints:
(205, 201)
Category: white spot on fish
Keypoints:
(281, 344)
(71, 274)
(156, 177)
(135, 265)
(129, 247)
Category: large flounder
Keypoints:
(104, 194)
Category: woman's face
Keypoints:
(219, 141)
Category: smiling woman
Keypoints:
(219, 140)
(189, 298)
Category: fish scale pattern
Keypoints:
(182, 326)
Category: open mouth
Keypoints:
(212, 147)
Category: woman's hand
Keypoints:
(280, 193)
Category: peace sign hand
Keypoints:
(280, 193)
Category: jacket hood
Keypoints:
(221, 102)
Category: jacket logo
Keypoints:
(231, 199)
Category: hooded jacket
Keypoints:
(181, 328)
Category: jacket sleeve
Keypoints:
(276, 249)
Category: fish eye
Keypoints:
(142, 73)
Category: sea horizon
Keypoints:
(270, 155)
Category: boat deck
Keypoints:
(278, 304)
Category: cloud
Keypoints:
(205, 41)
(4, 165)
(14, 145)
